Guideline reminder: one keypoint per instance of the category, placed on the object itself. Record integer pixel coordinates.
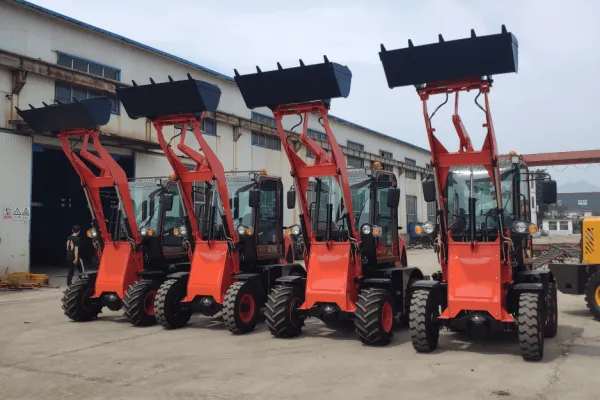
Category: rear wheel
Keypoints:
(592, 294)
(138, 304)
(242, 306)
(77, 303)
(531, 326)
(374, 316)
(170, 312)
(552, 304)
(423, 322)
(281, 311)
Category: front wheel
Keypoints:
(423, 322)
(77, 301)
(592, 294)
(138, 304)
(281, 314)
(531, 326)
(170, 312)
(241, 307)
(374, 316)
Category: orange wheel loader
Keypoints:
(357, 273)
(233, 225)
(136, 256)
(483, 229)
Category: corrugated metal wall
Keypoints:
(15, 181)
(151, 166)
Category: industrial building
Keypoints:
(48, 57)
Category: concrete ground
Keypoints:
(45, 356)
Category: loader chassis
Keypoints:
(583, 277)
(356, 266)
(483, 223)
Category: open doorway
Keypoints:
(58, 203)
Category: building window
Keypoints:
(355, 146)
(207, 127)
(266, 140)
(309, 154)
(532, 184)
(316, 135)
(386, 154)
(355, 162)
(411, 209)
(90, 67)
(387, 167)
(533, 202)
(431, 211)
(410, 174)
(66, 92)
(552, 225)
(582, 202)
(263, 119)
(564, 225)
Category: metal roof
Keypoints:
(186, 62)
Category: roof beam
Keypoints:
(562, 158)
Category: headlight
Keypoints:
(366, 229)
(92, 233)
(180, 231)
(146, 232)
(428, 227)
(520, 227)
(296, 230)
(245, 230)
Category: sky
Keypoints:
(549, 105)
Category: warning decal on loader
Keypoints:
(17, 216)
(7, 213)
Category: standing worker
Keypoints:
(73, 243)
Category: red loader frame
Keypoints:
(483, 284)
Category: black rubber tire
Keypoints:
(280, 318)
(232, 307)
(134, 303)
(592, 284)
(170, 312)
(551, 328)
(531, 326)
(76, 302)
(405, 315)
(369, 319)
(423, 324)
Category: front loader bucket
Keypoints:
(188, 96)
(295, 85)
(84, 114)
(452, 60)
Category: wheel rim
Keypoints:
(387, 317)
(246, 308)
(598, 296)
(86, 301)
(294, 304)
(149, 302)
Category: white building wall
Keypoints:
(558, 231)
(15, 179)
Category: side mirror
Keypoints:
(429, 191)
(291, 199)
(393, 197)
(254, 198)
(549, 192)
(167, 201)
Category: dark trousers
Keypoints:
(72, 267)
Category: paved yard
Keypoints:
(45, 356)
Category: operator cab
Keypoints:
(374, 200)
(256, 202)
